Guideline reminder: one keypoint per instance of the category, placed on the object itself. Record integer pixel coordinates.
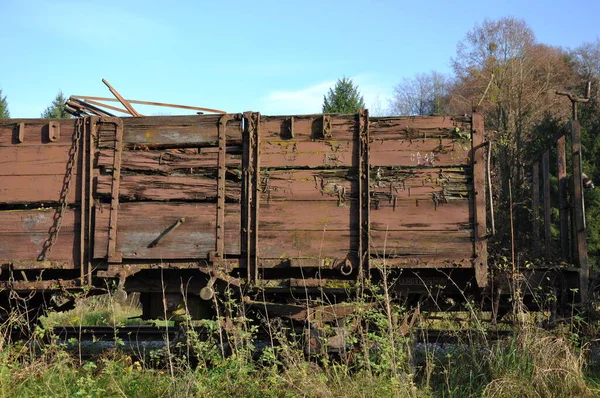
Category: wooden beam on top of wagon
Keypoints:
(122, 100)
(163, 104)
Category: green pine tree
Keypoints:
(57, 110)
(4, 113)
(343, 98)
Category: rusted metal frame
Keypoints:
(579, 210)
(535, 205)
(561, 163)
(547, 206)
(92, 123)
(364, 225)
(220, 232)
(113, 255)
(479, 201)
(83, 226)
(257, 190)
(122, 100)
(250, 192)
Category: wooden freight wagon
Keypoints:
(280, 207)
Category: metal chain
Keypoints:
(66, 189)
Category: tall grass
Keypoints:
(379, 358)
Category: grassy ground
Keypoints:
(532, 363)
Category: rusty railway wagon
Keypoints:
(281, 208)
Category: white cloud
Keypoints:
(310, 99)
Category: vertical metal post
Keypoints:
(479, 201)
(561, 162)
(535, 206)
(364, 200)
(113, 255)
(93, 134)
(221, 171)
(83, 125)
(547, 207)
(250, 194)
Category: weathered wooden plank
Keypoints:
(166, 161)
(340, 184)
(561, 163)
(141, 223)
(329, 216)
(176, 131)
(174, 187)
(547, 205)
(446, 244)
(35, 189)
(23, 246)
(306, 244)
(479, 203)
(451, 216)
(343, 127)
(35, 133)
(33, 160)
(36, 220)
(307, 128)
(434, 152)
(418, 127)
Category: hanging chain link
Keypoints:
(66, 189)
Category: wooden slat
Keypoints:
(36, 220)
(154, 187)
(166, 161)
(319, 215)
(308, 244)
(35, 189)
(21, 246)
(547, 204)
(142, 222)
(35, 133)
(176, 131)
(561, 163)
(33, 160)
(446, 244)
(479, 202)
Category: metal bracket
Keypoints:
(222, 169)
(251, 193)
(54, 131)
(166, 232)
(113, 255)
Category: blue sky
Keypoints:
(276, 57)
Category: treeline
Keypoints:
(501, 69)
